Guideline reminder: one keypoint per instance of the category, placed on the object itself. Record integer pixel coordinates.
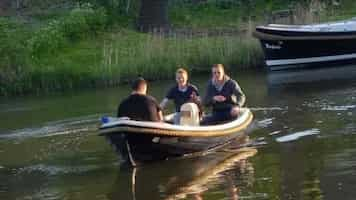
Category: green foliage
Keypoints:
(94, 43)
(156, 56)
(120, 12)
(13, 55)
(225, 13)
(47, 40)
(82, 22)
(27, 57)
(10, 43)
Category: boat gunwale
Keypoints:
(156, 128)
(336, 36)
(305, 29)
(314, 27)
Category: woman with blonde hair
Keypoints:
(224, 95)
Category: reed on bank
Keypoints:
(121, 56)
(157, 56)
(79, 50)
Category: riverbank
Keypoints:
(118, 57)
(83, 50)
(81, 47)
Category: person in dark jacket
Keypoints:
(140, 106)
(224, 95)
(181, 93)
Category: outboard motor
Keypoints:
(189, 114)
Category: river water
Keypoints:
(302, 146)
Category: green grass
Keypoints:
(222, 15)
(39, 61)
(205, 17)
(119, 57)
(129, 54)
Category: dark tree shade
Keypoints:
(4, 5)
(153, 15)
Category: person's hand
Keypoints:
(193, 96)
(235, 111)
(219, 98)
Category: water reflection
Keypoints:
(307, 76)
(220, 174)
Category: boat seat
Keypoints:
(189, 115)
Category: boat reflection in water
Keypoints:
(337, 73)
(187, 178)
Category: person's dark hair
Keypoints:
(138, 83)
(182, 71)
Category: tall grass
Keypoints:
(79, 50)
(156, 56)
(119, 57)
(46, 59)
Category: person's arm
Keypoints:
(198, 99)
(208, 98)
(120, 110)
(160, 115)
(155, 111)
(164, 103)
(238, 97)
(194, 97)
(169, 95)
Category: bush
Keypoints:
(47, 40)
(13, 54)
(82, 22)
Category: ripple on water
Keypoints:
(46, 194)
(53, 170)
(5, 108)
(275, 133)
(338, 108)
(256, 196)
(265, 122)
(63, 127)
(266, 109)
(297, 135)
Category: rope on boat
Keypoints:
(267, 36)
(165, 132)
(133, 179)
(132, 161)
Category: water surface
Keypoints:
(303, 146)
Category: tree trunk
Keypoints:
(4, 6)
(153, 15)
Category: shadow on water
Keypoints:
(188, 178)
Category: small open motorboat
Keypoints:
(305, 46)
(140, 141)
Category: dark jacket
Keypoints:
(180, 97)
(230, 90)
